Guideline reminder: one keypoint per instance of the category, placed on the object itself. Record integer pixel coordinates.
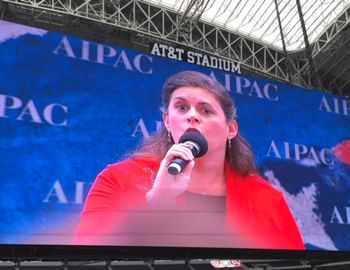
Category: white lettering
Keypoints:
(167, 51)
(273, 149)
(255, 89)
(138, 61)
(85, 52)
(65, 47)
(123, 58)
(336, 217)
(267, 93)
(205, 61)
(8, 102)
(48, 114)
(339, 106)
(299, 149)
(101, 53)
(295, 151)
(107, 55)
(155, 50)
(227, 82)
(241, 83)
(323, 156)
(286, 150)
(171, 53)
(140, 127)
(236, 67)
(163, 48)
(336, 105)
(190, 57)
(198, 58)
(213, 62)
(195, 57)
(57, 192)
(30, 110)
(324, 105)
(79, 192)
(347, 211)
(346, 106)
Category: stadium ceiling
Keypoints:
(273, 22)
(306, 43)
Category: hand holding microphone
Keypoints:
(198, 145)
(174, 174)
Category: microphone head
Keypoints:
(200, 142)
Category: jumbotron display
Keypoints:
(89, 130)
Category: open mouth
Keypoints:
(192, 129)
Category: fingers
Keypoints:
(167, 187)
(182, 151)
(188, 168)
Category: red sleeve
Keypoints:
(283, 232)
(287, 235)
(261, 216)
(100, 213)
(116, 190)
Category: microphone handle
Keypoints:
(176, 166)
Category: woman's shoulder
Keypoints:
(249, 181)
(133, 164)
(260, 184)
(255, 179)
(131, 170)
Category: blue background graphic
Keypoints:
(47, 166)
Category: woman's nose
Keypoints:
(192, 115)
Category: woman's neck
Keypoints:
(208, 177)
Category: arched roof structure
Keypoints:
(300, 42)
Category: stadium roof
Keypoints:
(246, 31)
(258, 19)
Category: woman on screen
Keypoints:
(214, 200)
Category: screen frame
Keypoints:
(109, 253)
(53, 252)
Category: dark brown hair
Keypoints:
(239, 155)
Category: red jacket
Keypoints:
(116, 213)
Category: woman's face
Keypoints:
(197, 108)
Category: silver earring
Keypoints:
(229, 143)
(169, 137)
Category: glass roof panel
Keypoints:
(258, 18)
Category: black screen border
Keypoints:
(110, 253)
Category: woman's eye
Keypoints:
(207, 111)
(181, 107)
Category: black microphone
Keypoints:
(199, 147)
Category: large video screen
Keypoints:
(88, 136)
